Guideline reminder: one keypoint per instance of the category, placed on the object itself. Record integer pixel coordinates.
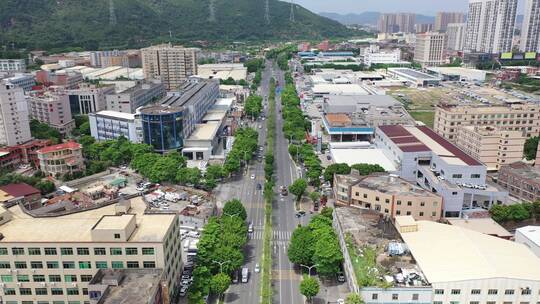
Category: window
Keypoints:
(36, 265)
(377, 198)
(3, 251)
(475, 175)
(509, 292)
(72, 291)
(132, 264)
(52, 265)
(85, 265)
(100, 251)
(117, 264)
(6, 278)
(131, 251)
(50, 251)
(149, 264)
(20, 265)
(148, 251)
(491, 302)
(116, 251)
(476, 291)
(55, 278)
(101, 265)
(70, 278)
(415, 297)
(66, 251)
(117, 235)
(23, 278)
(455, 291)
(526, 291)
(422, 204)
(409, 203)
(474, 302)
(9, 291)
(83, 251)
(68, 265)
(34, 251)
(492, 291)
(374, 296)
(38, 278)
(421, 213)
(394, 296)
(365, 195)
(5, 265)
(41, 291)
(86, 278)
(17, 251)
(398, 202)
(57, 291)
(25, 291)
(398, 212)
(457, 175)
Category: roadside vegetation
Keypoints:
(244, 146)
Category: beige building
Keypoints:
(387, 194)
(53, 259)
(490, 145)
(430, 48)
(14, 121)
(53, 109)
(444, 18)
(61, 159)
(513, 117)
(171, 64)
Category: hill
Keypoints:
(51, 24)
(369, 18)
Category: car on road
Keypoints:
(259, 186)
(183, 291)
(250, 228)
(252, 176)
(245, 275)
(340, 277)
(257, 268)
(300, 213)
(260, 127)
(284, 191)
(236, 276)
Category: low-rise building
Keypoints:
(129, 100)
(513, 116)
(24, 81)
(107, 125)
(521, 180)
(223, 71)
(60, 159)
(485, 225)
(12, 65)
(387, 194)
(491, 146)
(13, 156)
(13, 194)
(52, 108)
(413, 78)
(530, 237)
(65, 79)
(383, 57)
(89, 98)
(126, 59)
(457, 74)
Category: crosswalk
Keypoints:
(277, 236)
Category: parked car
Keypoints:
(257, 268)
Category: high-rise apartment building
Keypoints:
(514, 117)
(530, 31)
(423, 27)
(172, 64)
(430, 48)
(406, 22)
(393, 23)
(57, 264)
(444, 18)
(456, 35)
(14, 122)
(490, 25)
(52, 108)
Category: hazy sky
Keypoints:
(427, 7)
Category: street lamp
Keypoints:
(309, 267)
(221, 264)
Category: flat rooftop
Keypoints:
(136, 286)
(413, 73)
(483, 225)
(215, 115)
(448, 253)
(115, 114)
(393, 185)
(77, 227)
(524, 170)
(360, 100)
(343, 89)
(205, 131)
(363, 156)
(531, 232)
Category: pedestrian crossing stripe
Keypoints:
(285, 275)
(276, 235)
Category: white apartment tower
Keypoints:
(530, 32)
(456, 35)
(430, 48)
(14, 121)
(490, 25)
(171, 64)
(444, 18)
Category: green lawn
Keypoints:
(425, 117)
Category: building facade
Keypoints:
(107, 125)
(490, 26)
(25, 81)
(387, 23)
(127, 59)
(514, 117)
(530, 31)
(57, 265)
(14, 116)
(12, 65)
(171, 64)
(140, 95)
(442, 19)
(456, 35)
(382, 57)
(491, 146)
(530, 237)
(53, 109)
(430, 49)
(521, 180)
(89, 99)
(61, 159)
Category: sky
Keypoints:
(426, 7)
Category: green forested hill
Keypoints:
(85, 23)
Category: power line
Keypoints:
(112, 15)
(212, 11)
(291, 17)
(267, 11)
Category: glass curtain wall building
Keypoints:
(163, 127)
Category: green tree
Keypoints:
(367, 169)
(214, 172)
(309, 287)
(335, 169)
(301, 247)
(200, 286)
(314, 196)
(219, 283)
(45, 186)
(188, 176)
(354, 298)
(235, 206)
(529, 150)
(298, 188)
(328, 256)
(328, 212)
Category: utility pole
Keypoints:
(212, 11)
(112, 15)
(291, 17)
(267, 11)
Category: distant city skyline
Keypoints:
(425, 7)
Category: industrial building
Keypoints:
(130, 99)
(223, 71)
(25, 81)
(457, 74)
(413, 78)
(530, 237)
(12, 65)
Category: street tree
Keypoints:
(301, 247)
(235, 207)
(328, 255)
(314, 196)
(354, 298)
(219, 283)
(309, 287)
(298, 188)
(188, 176)
(335, 169)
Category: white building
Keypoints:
(89, 98)
(107, 125)
(236, 71)
(457, 74)
(530, 237)
(25, 81)
(443, 19)
(14, 116)
(413, 78)
(127, 101)
(430, 48)
(12, 65)
(530, 31)
(382, 57)
(490, 26)
(456, 36)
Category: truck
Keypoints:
(245, 274)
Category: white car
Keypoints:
(252, 176)
(257, 268)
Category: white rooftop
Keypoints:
(531, 232)
(339, 89)
(115, 114)
(205, 131)
(363, 156)
(447, 253)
